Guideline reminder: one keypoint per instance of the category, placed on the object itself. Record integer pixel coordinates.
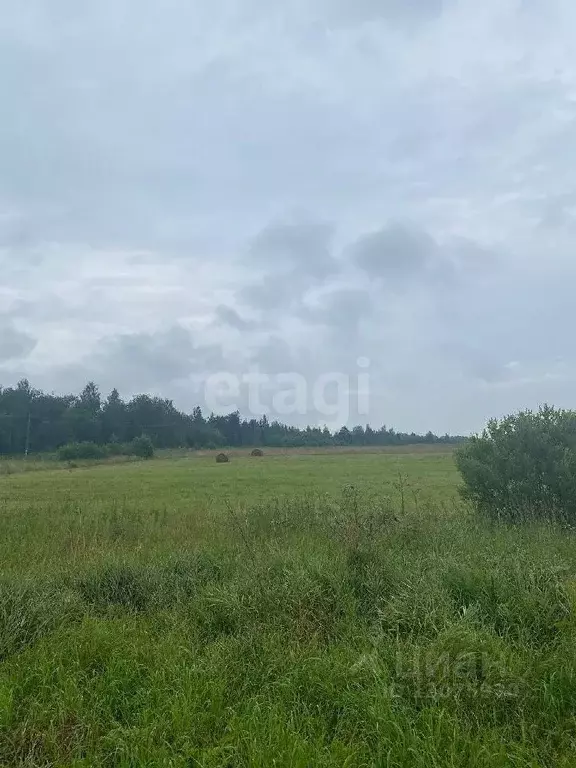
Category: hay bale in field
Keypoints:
(257, 452)
(222, 458)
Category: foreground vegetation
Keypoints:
(523, 467)
(335, 610)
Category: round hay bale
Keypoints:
(257, 452)
(222, 458)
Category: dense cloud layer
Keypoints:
(188, 189)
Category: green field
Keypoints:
(331, 609)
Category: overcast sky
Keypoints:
(195, 186)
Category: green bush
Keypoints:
(74, 451)
(118, 449)
(142, 447)
(523, 467)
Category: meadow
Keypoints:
(302, 609)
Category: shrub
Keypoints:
(82, 451)
(222, 458)
(142, 447)
(118, 449)
(523, 467)
(257, 452)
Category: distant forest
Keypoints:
(33, 421)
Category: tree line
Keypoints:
(32, 421)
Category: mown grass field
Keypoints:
(332, 609)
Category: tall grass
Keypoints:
(324, 630)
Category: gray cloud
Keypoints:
(275, 356)
(394, 252)
(346, 306)
(158, 357)
(342, 312)
(404, 257)
(228, 316)
(270, 292)
(292, 255)
(14, 344)
(147, 362)
(558, 211)
(300, 244)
